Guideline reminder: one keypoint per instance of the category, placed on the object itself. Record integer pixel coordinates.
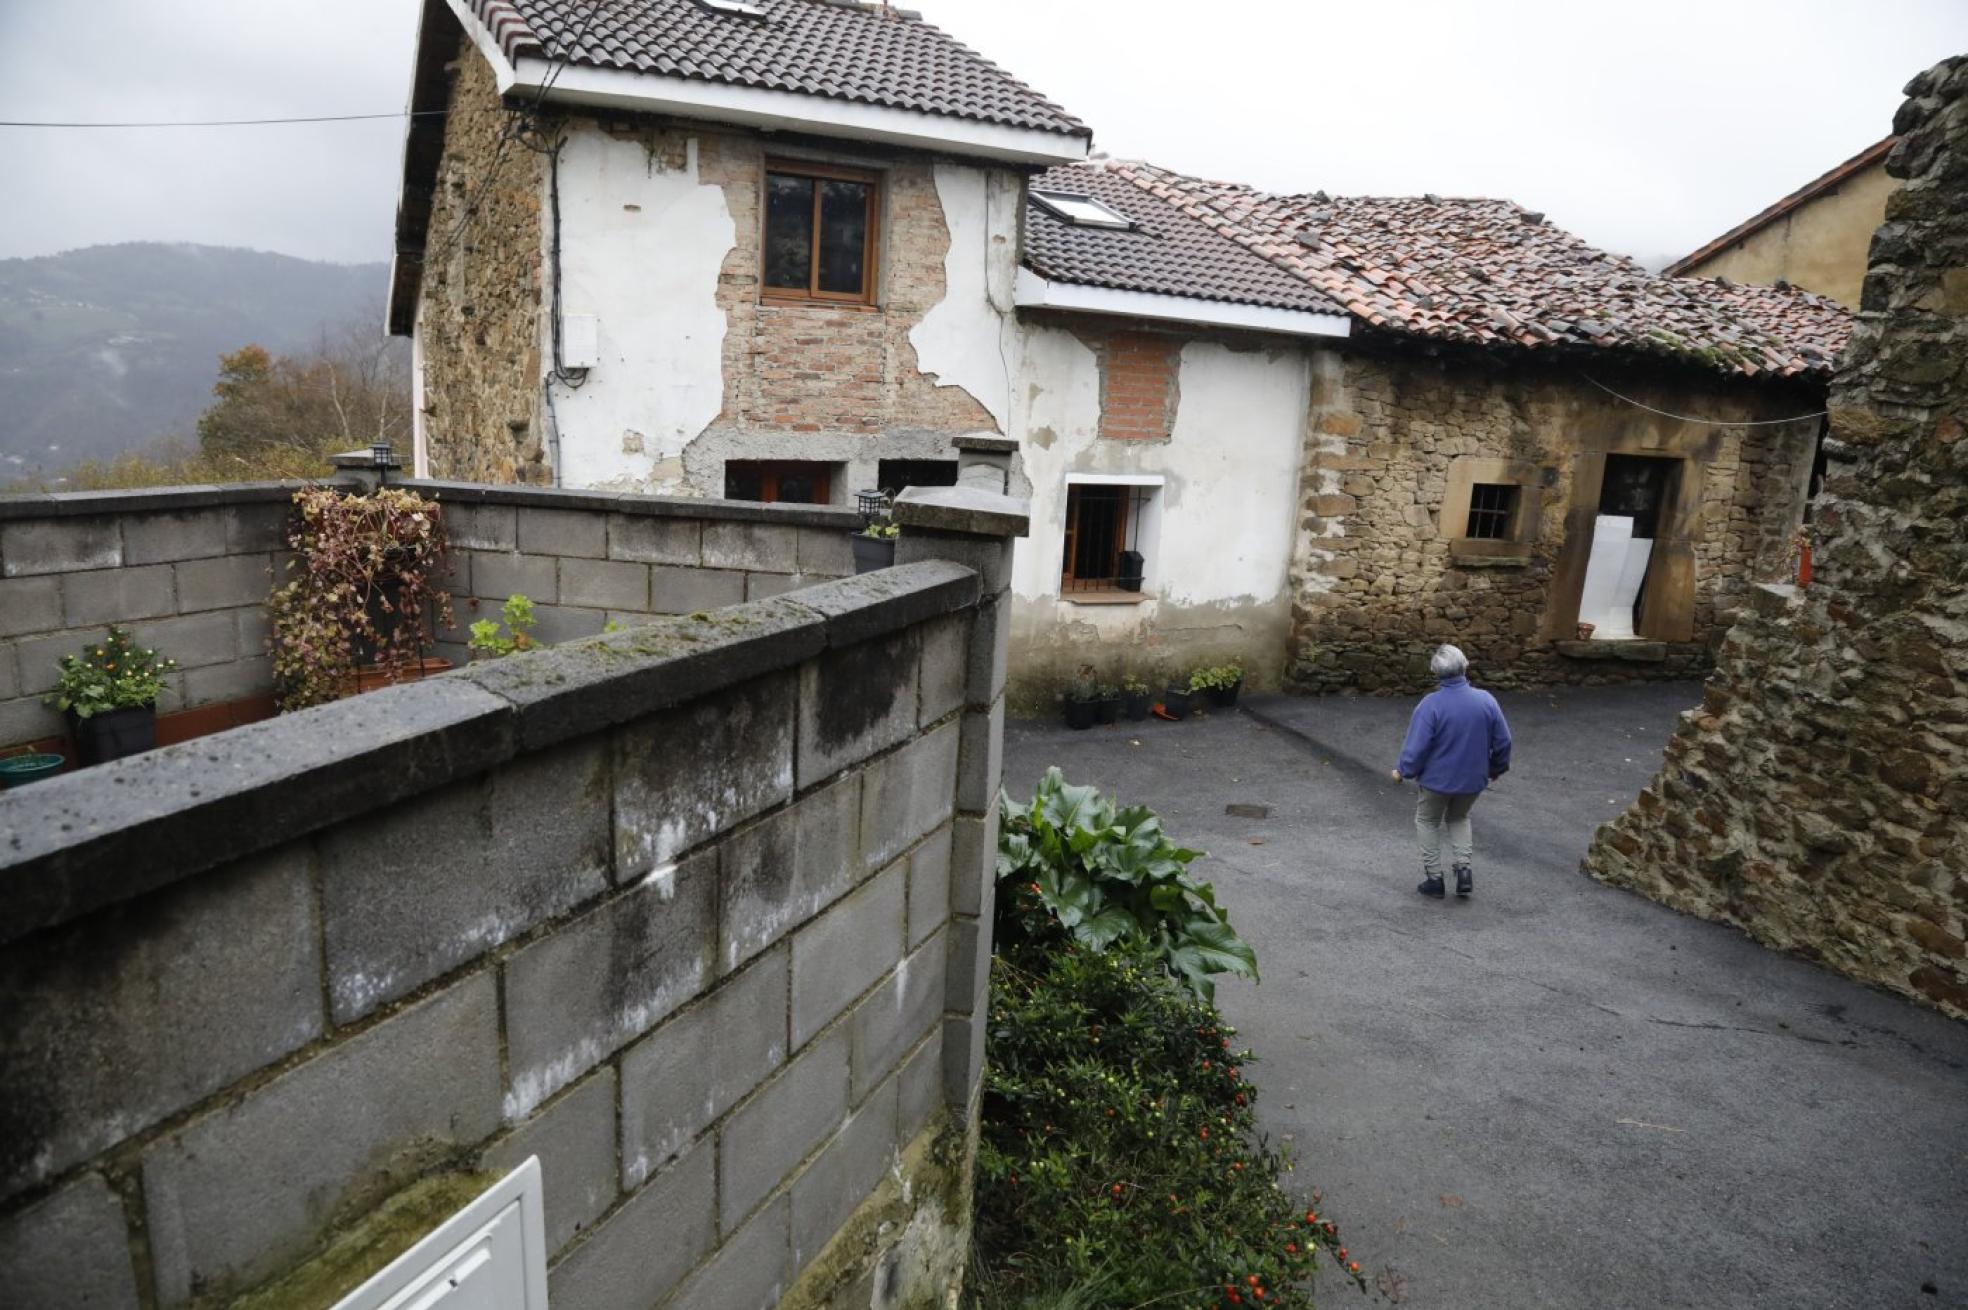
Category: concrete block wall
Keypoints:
(682, 910)
(186, 569)
(587, 558)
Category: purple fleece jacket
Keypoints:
(1457, 740)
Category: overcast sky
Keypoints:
(1647, 127)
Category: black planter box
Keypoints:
(871, 553)
(1177, 703)
(1107, 709)
(1080, 713)
(1226, 696)
(113, 734)
(1134, 704)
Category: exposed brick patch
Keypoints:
(1138, 385)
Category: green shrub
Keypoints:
(1109, 875)
(1119, 1150)
(1218, 677)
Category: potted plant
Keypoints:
(368, 590)
(109, 693)
(1221, 681)
(1081, 696)
(1107, 704)
(31, 766)
(488, 643)
(1134, 698)
(1175, 700)
(874, 545)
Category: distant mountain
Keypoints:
(112, 347)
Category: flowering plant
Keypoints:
(519, 621)
(367, 587)
(115, 674)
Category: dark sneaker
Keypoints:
(1465, 880)
(1431, 887)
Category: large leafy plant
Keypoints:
(1106, 874)
(114, 674)
(369, 573)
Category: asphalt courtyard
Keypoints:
(1555, 1094)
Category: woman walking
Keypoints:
(1458, 744)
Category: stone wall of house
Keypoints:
(697, 913)
(186, 569)
(1819, 797)
(1376, 585)
(478, 310)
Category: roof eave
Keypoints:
(1817, 186)
(1032, 291)
(423, 147)
(789, 111)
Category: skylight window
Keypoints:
(1082, 210)
(733, 7)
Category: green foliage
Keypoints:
(882, 530)
(368, 582)
(486, 638)
(1218, 677)
(114, 675)
(1133, 685)
(1119, 1148)
(1108, 875)
(1082, 687)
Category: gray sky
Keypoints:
(1645, 127)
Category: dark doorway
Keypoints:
(1638, 487)
(893, 475)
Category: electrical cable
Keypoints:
(1711, 422)
(239, 122)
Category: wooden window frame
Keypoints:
(812, 294)
(1133, 501)
(1519, 541)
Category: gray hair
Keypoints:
(1448, 662)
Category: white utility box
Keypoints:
(491, 1255)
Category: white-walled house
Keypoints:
(710, 247)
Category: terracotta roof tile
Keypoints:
(1480, 272)
(836, 49)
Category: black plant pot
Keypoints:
(1226, 696)
(1134, 704)
(1107, 709)
(113, 734)
(1079, 713)
(1177, 703)
(871, 553)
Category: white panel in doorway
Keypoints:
(491, 1255)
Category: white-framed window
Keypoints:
(1081, 210)
(1113, 528)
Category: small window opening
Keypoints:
(1081, 210)
(1103, 525)
(892, 475)
(780, 481)
(1492, 509)
(819, 234)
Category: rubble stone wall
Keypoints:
(697, 913)
(478, 311)
(1377, 582)
(1819, 797)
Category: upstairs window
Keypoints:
(819, 241)
(1492, 507)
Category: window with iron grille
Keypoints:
(1103, 527)
(1492, 507)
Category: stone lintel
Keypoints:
(990, 445)
(967, 510)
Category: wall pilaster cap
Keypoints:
(995, 445)
(963, 509)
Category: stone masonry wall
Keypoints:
(681, 910)
(1375, 584)
(187, 570)
(479, 305)
(586, 559)
(1819, 798)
